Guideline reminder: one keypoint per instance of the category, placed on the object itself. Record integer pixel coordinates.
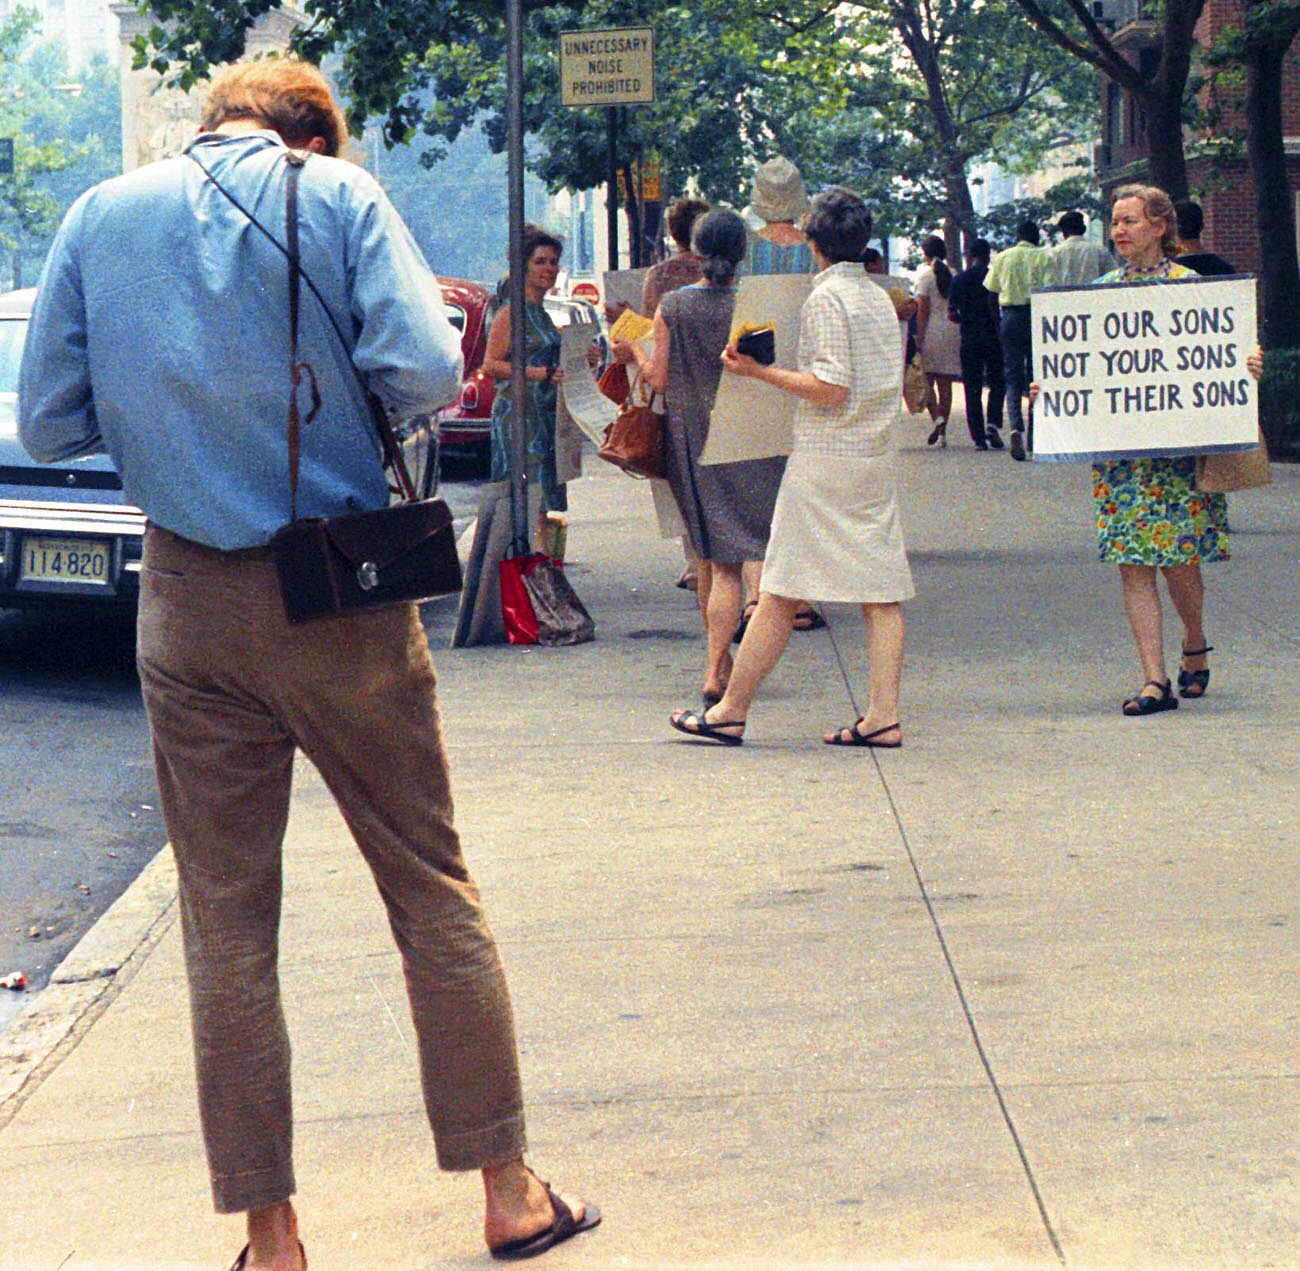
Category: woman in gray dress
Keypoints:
(726, 507)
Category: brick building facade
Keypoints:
(1221, 185)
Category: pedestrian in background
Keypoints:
(776, 246)
(938, 337)
(684, 265)
(1014, 274)
(181, 375)
(1077, 261)
(726, 507)
(542, 376)
(981, 350)
(681, 269)
(1191, 255)
(836, 534)
(777, 200)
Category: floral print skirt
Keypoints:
(1150, 513)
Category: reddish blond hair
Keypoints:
(1158, 207)
(288, 96)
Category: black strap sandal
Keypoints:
(1145, 704)
(857, 738)
(700, 727)
(1194, 680)
(563, 1227)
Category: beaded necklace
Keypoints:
(1160, 269)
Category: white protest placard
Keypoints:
(580, 396)
(750, 419)
(1144, 369)
(625, 285)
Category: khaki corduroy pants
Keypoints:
(231, 690)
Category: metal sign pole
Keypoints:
(611, 190)
(519, 527)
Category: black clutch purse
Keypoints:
(760, 345)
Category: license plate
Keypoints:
(79, 561)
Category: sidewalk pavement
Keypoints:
(1013, 996)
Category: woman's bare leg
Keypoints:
(721, 615)
(884, 634)
(1187, 591)
(1142, 607)
(765, 640)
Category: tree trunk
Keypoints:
(961, 208)
(1166, 162)
(1279, 313)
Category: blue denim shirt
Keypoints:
(161, 336)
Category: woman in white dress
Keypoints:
(836, 534)
(938, 337)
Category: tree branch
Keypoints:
(1102, 56)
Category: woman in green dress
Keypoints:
(1150, 516)
(543, 374)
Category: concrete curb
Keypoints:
(85, 982)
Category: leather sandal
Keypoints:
(1194, 683)
(1146, 704)
(858, 738)
(693, 724)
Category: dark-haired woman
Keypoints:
(836, 534)
(726, 507)
(543, 374)
(938, 337)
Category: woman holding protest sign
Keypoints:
(1151, 519)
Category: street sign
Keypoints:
(6, 156)
(614, 67)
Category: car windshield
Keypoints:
(455, 315)
(12, 333)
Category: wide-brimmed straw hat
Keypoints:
(778, 193)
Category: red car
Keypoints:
(467, 420)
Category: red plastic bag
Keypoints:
(516, 608)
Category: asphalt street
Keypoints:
(78, 804)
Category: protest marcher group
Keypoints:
(145, 367)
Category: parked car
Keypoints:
(465, 423)
(67, 533)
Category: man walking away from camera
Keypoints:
(1078, 262)
(981, 350)
(161, 335)
(1013, 275)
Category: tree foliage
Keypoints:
(67, 137)
(1160, 87)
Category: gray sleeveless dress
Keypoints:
(727, 507)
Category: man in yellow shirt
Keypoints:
(1014, 274)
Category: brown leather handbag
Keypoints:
(635, 440)
(1223, 472)
(362, 560)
